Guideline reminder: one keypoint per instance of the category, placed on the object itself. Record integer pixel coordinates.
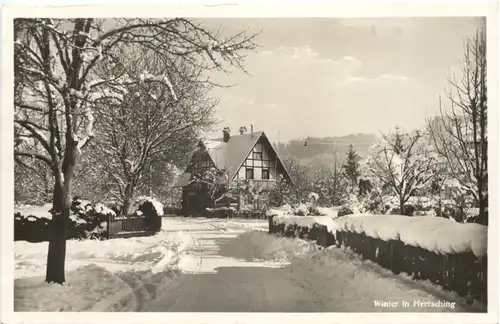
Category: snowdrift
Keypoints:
(259, 246)
(156, 253)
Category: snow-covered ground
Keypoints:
(155, 253)
(95, 270)
(216, 265)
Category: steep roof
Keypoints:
(231, 155)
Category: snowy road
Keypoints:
(222, 275)
(209, 265)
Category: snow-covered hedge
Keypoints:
(36, 211)
(435, 234)
(31, 223)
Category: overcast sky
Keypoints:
(333, 77)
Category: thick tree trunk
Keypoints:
(402, 206)
(128, 199)
(483, 213)
(61, 203)
(56, 256)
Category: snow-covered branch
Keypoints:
(36, 155)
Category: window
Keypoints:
(265, 174)
(249, 173)
(257, 155)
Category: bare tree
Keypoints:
(402, 163)
(57, 87)
(460, 133)
(151, 124)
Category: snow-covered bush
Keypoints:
(149, 207)
(86, 219)
(314, 196)
(114, 206)
(101, 209)
(81, 207)
(286, 209)
(344, 210)
(356, 204)
(32, 223)
(301, 210)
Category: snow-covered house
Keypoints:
(239, 160)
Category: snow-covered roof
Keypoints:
(230, 155)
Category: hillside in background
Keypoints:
(322, 150)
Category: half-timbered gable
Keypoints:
(260, 164)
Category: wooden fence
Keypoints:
(133, 226)
(463, 273)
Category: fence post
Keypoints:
(330, 237)
(395, 247)
(271, 224)
(109, 225)
(484, 279)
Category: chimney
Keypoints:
(251, 129)
(243, 130)
(225, 133)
